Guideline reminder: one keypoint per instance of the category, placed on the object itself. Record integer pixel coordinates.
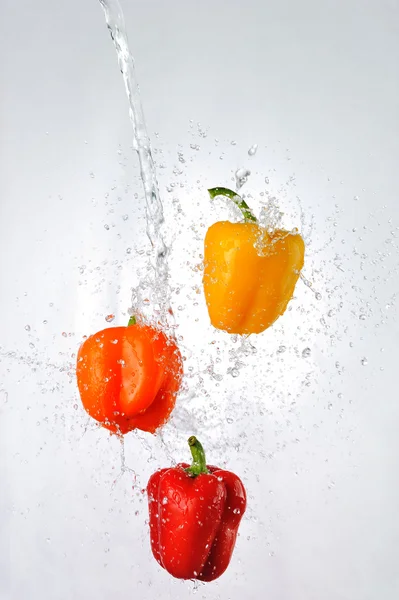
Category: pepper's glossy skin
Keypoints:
(194, 520)
(128, 377)
(249, 275)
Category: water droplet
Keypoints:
(125, 217)
(267, 180)
(75, 406)
(236, 511)
(164, 500)
(318, 296)
(362, 317)
(109, 318)
(306, 353)
(364, 361)
(92, 174)
(27, 327)
(281, 349)
(252, 150)
(128, 250)
(229, 420)
(242, 175)
(194, 147)
(329, 405)
(106, 226)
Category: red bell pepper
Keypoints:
(195, 512)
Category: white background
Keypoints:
(314, 438)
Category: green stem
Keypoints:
(199, 461)
(132, 321)
(238, 201)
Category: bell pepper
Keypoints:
(195, 512)
(249, 273)
(128, 377)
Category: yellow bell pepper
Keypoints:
(249, 273)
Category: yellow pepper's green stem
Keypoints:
(238, 201)
(132, 321)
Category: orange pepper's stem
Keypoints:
(238, 201)
(132, 321)
(199, 461)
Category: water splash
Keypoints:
(157, 279)
(271, 217)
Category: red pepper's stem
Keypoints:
(199, 461)
(238, 201)
(132, 321)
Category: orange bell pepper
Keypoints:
(128, 377)
(249, 273)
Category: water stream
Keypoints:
(153, 292)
